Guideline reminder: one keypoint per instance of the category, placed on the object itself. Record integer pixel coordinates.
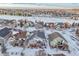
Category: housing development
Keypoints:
(39, 29)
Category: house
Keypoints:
(41, 34)
(56, 40)
(50, 25)
(36, 40)
(76, 25)
(60, 25)
(67, 25)
(29, 24)
(74, 17)
(20, 35)
(63, 25)
(19, 38)
(25, 23)
(10, 23)
(21, 23)
(38, 33)
(39, 25)
(5, 33)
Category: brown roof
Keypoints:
(20, 35)
(55, 35)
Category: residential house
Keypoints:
(20, 35)
(56, 40)
(63, 25)
(36, 40)
(76, 25)
(39, 24)
(20, 38)
(10, 23)
(5, 33)
(28, 24)
(67, 25)
(50, 25)
(60, 25)
(25, 23)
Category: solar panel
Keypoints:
(4, 32)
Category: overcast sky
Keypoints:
(53, 5)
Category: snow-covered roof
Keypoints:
(30, 29)
(38, 39)
(14, 32)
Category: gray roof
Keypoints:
(41, 34)
(55, 35)
(4, 32)
(60, 24)
(38, 33)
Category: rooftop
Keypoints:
(55, 35)
(20, 35)
(4, 32)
